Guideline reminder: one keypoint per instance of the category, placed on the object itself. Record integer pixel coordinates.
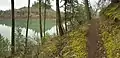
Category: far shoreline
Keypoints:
(25, 18)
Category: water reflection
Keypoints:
(6, 31)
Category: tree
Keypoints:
(70, 8)
(87, 9)
(36, 4)
(44, 18)
(26, 39)
(65, 15)
(13, 30)
(58, 18)
(47, 2)
(40, 20)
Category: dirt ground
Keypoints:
(94, 43)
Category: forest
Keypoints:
(82, 30)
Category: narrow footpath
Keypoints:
(94, 43)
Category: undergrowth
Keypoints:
(71, 45)
(110, 30)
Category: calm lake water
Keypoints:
(5, 27)
(34, 24)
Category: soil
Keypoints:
(94, 42)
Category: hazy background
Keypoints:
(5, 4)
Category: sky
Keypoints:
(6, 4)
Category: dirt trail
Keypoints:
(94, 41)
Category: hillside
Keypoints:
(100, 39)
(110, 30)
(71, 45)
(21, 13)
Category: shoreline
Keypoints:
(25, 18)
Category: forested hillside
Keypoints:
(110, 29)
(21, 13)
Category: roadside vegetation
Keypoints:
(110, 29)
(71, 45)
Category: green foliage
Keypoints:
(19, 39)
(110, 30)
(80, 14)
(71, 45)
(111, 12)
(4, 46)
(110, 36)
(36, 4)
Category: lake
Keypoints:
(5, 27)
(34, 24)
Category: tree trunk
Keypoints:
(13, 30)
(44, 19)
(72, 4)
(87, 10)
(57, 27)
(65, 15)
(26, 39)
(58, 17)
(40, 20)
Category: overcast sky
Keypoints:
(5, 4)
